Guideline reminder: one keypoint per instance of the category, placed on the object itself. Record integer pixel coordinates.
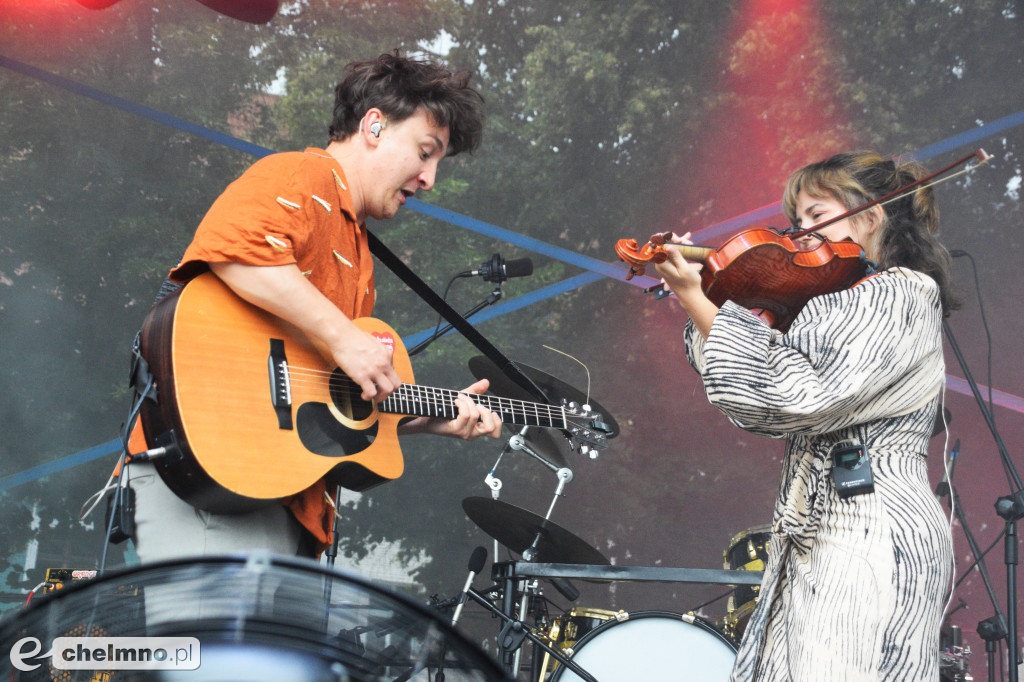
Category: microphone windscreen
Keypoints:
(520, 267)
(477, 560)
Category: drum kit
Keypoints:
(589, 643)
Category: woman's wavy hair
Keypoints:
(906, 237)
(399, 86)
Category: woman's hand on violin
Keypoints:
(683, 278)
(678, 274)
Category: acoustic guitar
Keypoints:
(250, 411)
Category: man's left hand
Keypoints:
(473, 420)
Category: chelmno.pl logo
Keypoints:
(109, 653)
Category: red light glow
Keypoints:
(773, 109)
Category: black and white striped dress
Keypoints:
(853, 588)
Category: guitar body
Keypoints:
(241, 440)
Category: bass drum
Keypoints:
(652, 645)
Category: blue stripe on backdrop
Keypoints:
(596, 268)
(131, 107)
(61, 464)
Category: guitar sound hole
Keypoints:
(345, 394)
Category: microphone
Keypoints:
(498, 270)
(943, 488)
(476, 564)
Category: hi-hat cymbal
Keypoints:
(481, 367)
(518, 529)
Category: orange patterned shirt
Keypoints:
(292, 207)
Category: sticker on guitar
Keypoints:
(387, 339)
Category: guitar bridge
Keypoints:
(280, 384)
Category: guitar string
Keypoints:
(316, 379)
(532, 414)
(311, 377)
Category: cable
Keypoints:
(947, 467)
(970, 568)
(123, 464)
(437, 327)
(696, 609)
(957, 253)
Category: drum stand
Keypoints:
(511, 637)
(564, 475)
(514, 632)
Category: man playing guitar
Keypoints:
(289, 237)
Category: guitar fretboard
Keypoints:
(425, 401)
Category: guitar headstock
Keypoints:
(586, 429)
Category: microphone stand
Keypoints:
(1010, 508)
(331, 552)
(493, 298)
(514, 631)
(992, 629)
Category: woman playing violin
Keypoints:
(860, 555)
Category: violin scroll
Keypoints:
(638, 257)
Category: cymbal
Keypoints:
(481, 367)
(517, 528)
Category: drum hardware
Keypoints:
(748, 551)
(521, 530)
(954, 657)
(515, 631)
(569, 628)
(607, 573)
(508, 575)
(534, 537)
(519, 442)
(516, 570)
(651, 645)
(530, 589)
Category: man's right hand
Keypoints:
(367, 362)
(284, 291)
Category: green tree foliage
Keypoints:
(95, 205)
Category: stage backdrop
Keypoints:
(118, 128)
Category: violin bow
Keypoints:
(980, 154)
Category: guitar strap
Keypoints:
(507, 367)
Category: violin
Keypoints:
(761, 269)
(764, 269)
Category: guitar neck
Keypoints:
(425, 401)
